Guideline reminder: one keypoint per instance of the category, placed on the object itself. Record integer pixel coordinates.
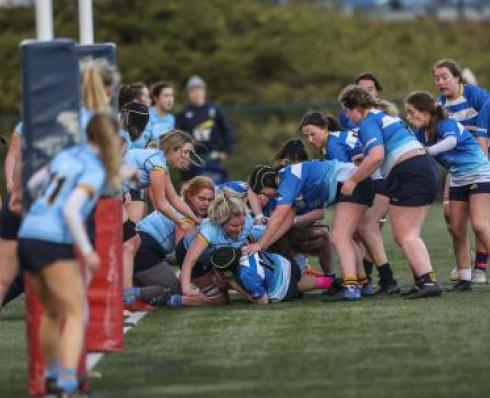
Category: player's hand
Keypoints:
(15, 203)
(251, 249)
(357, 159)
(190, 290)
(222, 155)
(348, 187)
(260, 219)
(92, 261)
(186, 226)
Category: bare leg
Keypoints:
(9, 267)
(406, 223)
(64, 283)
(458, 215)
(346, 221)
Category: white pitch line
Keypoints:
(94, 358)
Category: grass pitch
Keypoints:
(386, 347)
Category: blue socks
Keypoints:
(130, 294)
(67, 380)
(52, 369)
(175, 300)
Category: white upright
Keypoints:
(44, 20)
(86, 21)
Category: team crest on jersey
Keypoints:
(212, 113)
(189, 114)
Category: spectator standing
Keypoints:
(207, 123)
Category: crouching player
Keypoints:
(263, 277)
(51, 230)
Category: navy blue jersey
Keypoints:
(209, 127)
(465, 109)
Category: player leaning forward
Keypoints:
(67, 190)
(411, 181)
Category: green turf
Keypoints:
(376, 348)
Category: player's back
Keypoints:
(75, 166)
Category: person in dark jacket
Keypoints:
(207, 123)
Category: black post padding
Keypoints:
(51, 102)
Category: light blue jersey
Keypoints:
(145, 161)
(311, 185)
(158, 125)
(214, 236)
(342, 146)
(265, 274)
(465, 109)
(379, 128)
(466, 162)
(78, 166)
(160, 228)
(19, 128)
(85, 116)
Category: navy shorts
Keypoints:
(35, 254)
(137, 195)
(129, 230)
(202, 265)
(412, 183)
(363, 194)
(149, 254)
(293, 290)
(9, 221)
(379, 185)
(462, 194)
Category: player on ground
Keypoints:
(264, 277)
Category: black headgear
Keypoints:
(226, 259)
(262, 177)
(135, 117)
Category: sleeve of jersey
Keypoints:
(483, 120)
(92, 180)
(252, 283)
(480, 95)
(206, 233)
(448, 128)
(289, 188)
(419, 134)
(155, 162)
(19, 128)
(370, 134)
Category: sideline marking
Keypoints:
(129, 322)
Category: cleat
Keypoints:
(161, 299)
(454, 276)
(430, 289)
(368, 290)
(461, 286)
(348, 293)
(479, 276)
(138, 305)
(391, 288)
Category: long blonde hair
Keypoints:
(175, 140)
(97, 75)
(102, 131)
(226, 206)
